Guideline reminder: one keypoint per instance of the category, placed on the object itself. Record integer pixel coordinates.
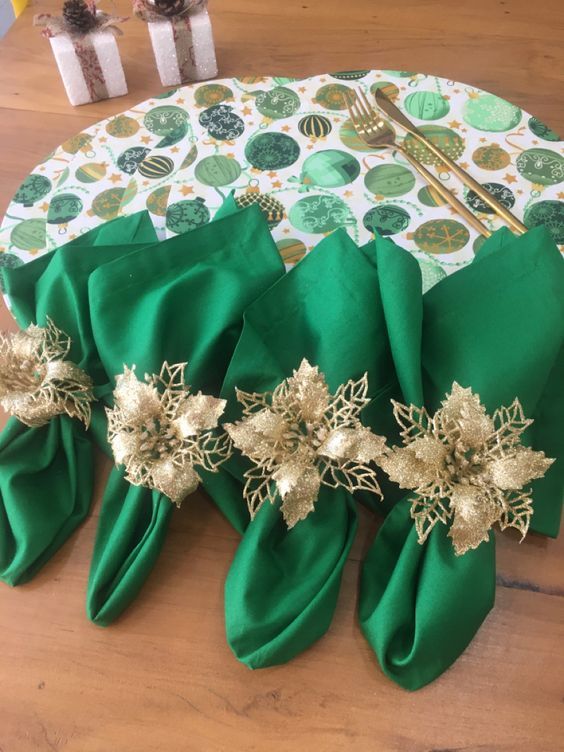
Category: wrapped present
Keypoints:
(182, 39)
(85, 49)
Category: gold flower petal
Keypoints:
(511, 473)
(419, 463)
(198, 413)
(358, 444)
(307, 394)
(260, 435)
(137, 401)
(463, 409)
(300, 500)
(474, 514)
(174, 482)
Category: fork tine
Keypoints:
(350, 102)
(367, 117)
(368, 107)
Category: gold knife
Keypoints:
(395, 114)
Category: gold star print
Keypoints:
(520, 193)
(103, 140)
(44, 206)
(277, 184)
(90, 213)
(309, 146)
(272, 174)
(230, 155)
(145, 182)
(180, 101)
(348, 194)
(255, 171)
(286, 231)
(456, 91)
(72, 237)
(146, 139)
(115, 178)
(446, 96)
(509, 178)
(464, 165)
(186, 190)
(483, 140)
(302, 89)
(247, 111)
(455, 124)
(561, 195)
(174, 149)
(285, 128)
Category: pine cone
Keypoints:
(78, 16)
(171, 7)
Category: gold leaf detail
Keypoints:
(36, 382)
(299, 436)
(161, 433)
(465, 467)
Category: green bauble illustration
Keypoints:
(250, 80)
(166, 94)
(107, 204)
(175, 136)
(8, 261)
(157, 201)
(29, 235)
(91, 172)
(164, 120)
(33, 188)
(272, 151)
(491, 157)
(222, 123)
(190, 158)
(399, 73)
(291, 250)
(428, 196)
(64, 208)
(387, 88)
(130, 159)
(441, 236)
(210, 94)
(122, 126)
(478, 243)
(541, 166)
(156, 167)
(431, 272)
(386, 219)
(542, 131)
(501, 192)
(446, 139)
(278, 103)
(283, 80)
(315, 126)
(331, 96)
(76, 143)
(351, 139)
(217, 170)
(184, 216)
(389, 180)
(486, 112)
(272, 209)
(329, 168)
(426, 105)
(550, 214)
(352, 75)
(319, 214)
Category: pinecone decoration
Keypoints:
(171, 7)
(78, 16)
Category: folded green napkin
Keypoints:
(283, 584)
(497, 326)
(182, 301)
(46, 472)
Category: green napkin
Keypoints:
(181, 301)
(497, 326)
(283, 584)
(46, 478)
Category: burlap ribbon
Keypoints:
(181, 29)
(84, 46)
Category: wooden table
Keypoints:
(163, 678)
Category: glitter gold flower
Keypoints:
(299, 437)
(465, 467)
(36, 382)
(161, 433)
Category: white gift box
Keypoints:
(202, 62)
(73, 73)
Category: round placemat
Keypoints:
(289, 146)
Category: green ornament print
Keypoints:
(165, 119)
(210, 94)
(129, 160)
(272, 151)
(428, 196)
(278, 103)
(108, 203)
(91, 172)
(8, 261)
(486, 112)
(33, 188)
(441, 236)
(331, 96)
(64, 208)
(446, 139)
(272, 209)
(541, 166)
(217, 170)
(156, 167)
(329, 169)
(389, 180)
(184, 216)
(122, 126)
(550, 214)
(351, 139)
(426, 105)
(353, 75)
(315, 126)
(157, 201)
(387, 88)
(319, 214)
(291, 250)
(491, 157)
(29, 235)
(386, 219)
(542, 131)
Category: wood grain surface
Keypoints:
(162, 677)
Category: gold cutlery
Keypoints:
(397, 116)
(377, 133)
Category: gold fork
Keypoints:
(378, 133)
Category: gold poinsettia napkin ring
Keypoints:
(465, 467)
(161, 432)
(300, 436)
(36, 382)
